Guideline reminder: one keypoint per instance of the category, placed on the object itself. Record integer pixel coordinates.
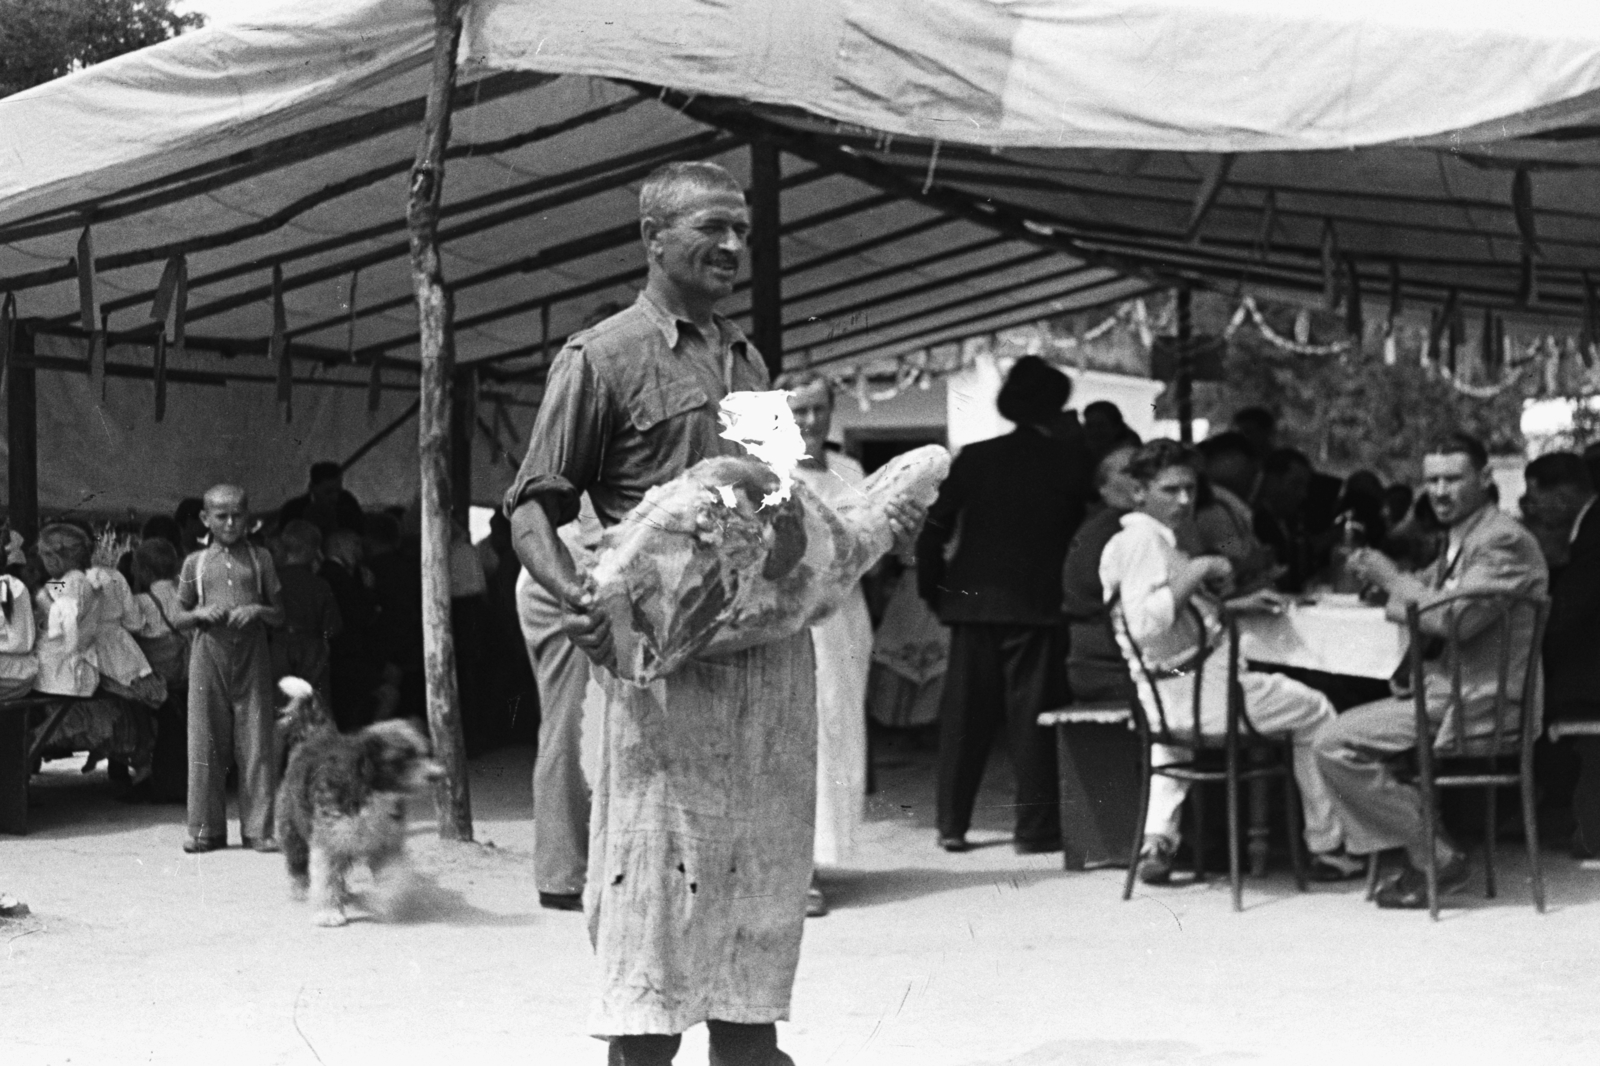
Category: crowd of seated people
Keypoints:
(92, 624)
(1175, 530)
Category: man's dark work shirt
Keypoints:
(628, 405)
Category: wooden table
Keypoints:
(17, 755)
(1334, 635)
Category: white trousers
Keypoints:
(1276, 705)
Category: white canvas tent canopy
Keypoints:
(948, 167)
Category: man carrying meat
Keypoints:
(701, 831)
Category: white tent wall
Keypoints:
(110, 457)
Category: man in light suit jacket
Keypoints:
(1488, 551)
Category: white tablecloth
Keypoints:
(1354, 640)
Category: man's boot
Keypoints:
(650, 1049)
(746, 1045)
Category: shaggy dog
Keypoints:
(342, 800)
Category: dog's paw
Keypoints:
(298, 888)
(329, 919)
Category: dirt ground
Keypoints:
(137, 953)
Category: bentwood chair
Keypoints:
(1489, 754)
(1247, 755)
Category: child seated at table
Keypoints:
(155, 601)
(67, 613)
(86, 651)
(155, 598)
(19, 663)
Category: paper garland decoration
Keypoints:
(1353, 323)
(1522, 210)
(160, 375)
(8, 327)
(375, 383)
(1490, 345)
(97, 358)
(278, 346)
(1589, 338)
(350, 327)
(88, 303)
(171, 303)
(1269, 222)
(1330, 256)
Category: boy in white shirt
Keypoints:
(1154, 584)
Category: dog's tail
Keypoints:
(304, 714)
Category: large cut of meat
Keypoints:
(700, 567)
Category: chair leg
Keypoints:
(1530, 829)
(1490, 829)
(1063, 808)
(1372, 874)
(1197, 810)
(1138, 826)
(1291, 810)
(1430, 839)
(1235, 873)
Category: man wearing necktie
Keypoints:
(1488, 551)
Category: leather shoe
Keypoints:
(816, 903)
(1409, 891)
(266, 845)
(1155, 861)
(561, 901)
(1331, 867)
(954, 844)
(197, 845)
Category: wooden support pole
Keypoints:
(766, 260)
(451, 797)
(463, 423)
(1183, 382)
(22, 432)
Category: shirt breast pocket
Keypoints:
(657, 402)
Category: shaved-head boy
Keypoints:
(230, 596)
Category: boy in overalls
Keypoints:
(230, 595)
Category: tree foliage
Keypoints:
(44, 39)
(1353, 411)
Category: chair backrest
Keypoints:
(1150, 714)
(1478, 640)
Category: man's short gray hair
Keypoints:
(670, 186)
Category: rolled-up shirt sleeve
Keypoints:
(568, 440)
(1134, 568)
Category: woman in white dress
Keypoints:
(842, 644)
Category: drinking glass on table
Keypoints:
(1352, 538)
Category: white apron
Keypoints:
(700, 841)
